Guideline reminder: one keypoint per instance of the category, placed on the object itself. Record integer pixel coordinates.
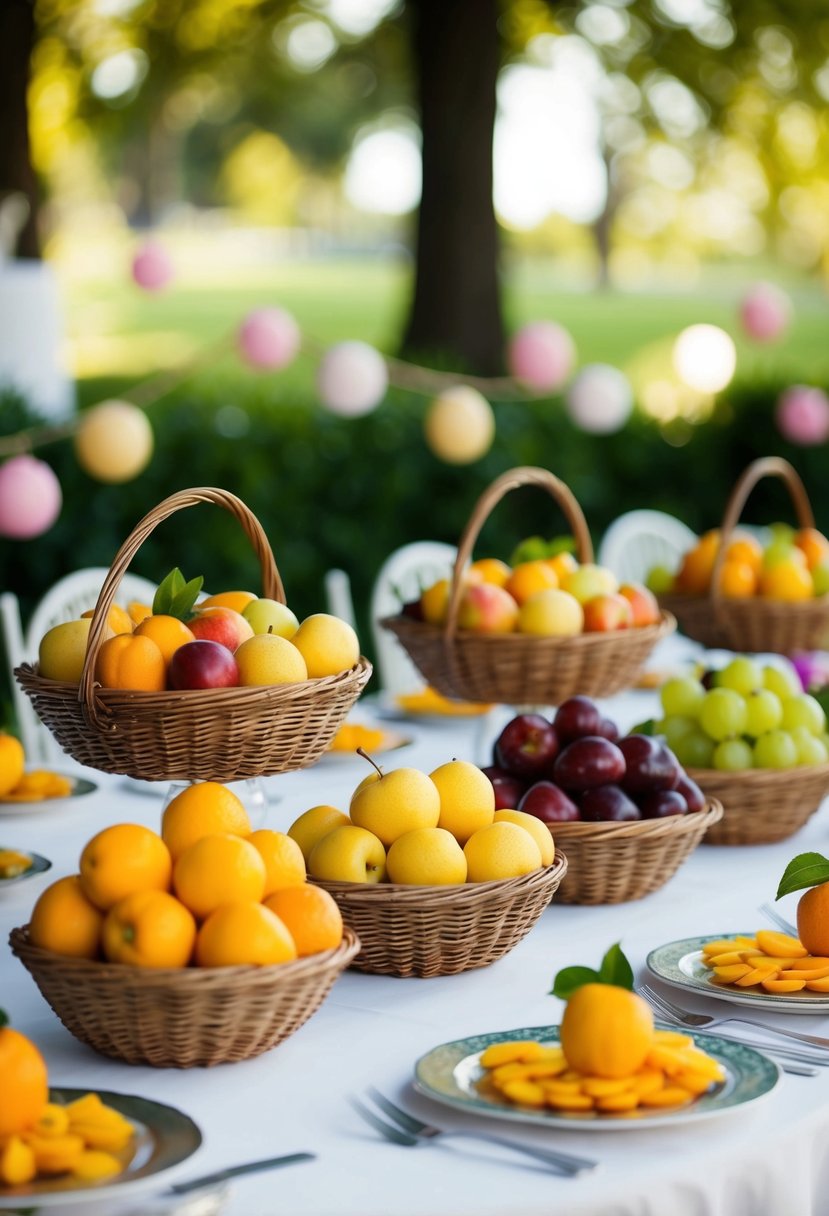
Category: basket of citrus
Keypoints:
(228, 688)
(732, 592)
(538, 632)
(430, 876)
(199, 946)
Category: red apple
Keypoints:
(643, 602)
(202, 664)
(526, 747)
(222, 625)
(605, 613)
(509, 790)
(548, 803)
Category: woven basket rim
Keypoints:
(801, 774)
(190, 977)
(452, 893)
(816, 606)
(639, 829)
(667, 624)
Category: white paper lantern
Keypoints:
(600, 399)
(705, 358)
(460, 425)
(352, 379)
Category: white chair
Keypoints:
(338, 596)
(65, 601)
(639, 540)
(401, 578)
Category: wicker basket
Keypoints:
(219, 734)
(611, 863)
(754, 624)
(184, 1018)
(428, 931)
(762, 805)
(523, 669)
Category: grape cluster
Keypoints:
(744, 716)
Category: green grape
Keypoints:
(694, 750)
(775, 749)
(660, 580)
(742, 675)
(733, 755)
(784, 681)
(675, 727)
(723, 714)
(764, 712)
(810, 750)
(682, 695)
(803, 710)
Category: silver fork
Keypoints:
(776, 919)
(699, 1020)
(409, 1131)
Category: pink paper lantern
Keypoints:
(152, 267)
(802, 415)
(541, 355)
(268, 338)
(765, 312)
(30, 497)
(352, 379)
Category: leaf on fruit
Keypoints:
(176, 597)
(183, 601)
(571, 978)
(561, 544)
(615, 969)
(532, 548)
(805, 870)
(644, 728)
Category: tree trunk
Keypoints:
(456, 309)
(17, 34)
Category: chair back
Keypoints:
(639, 540)
(402, 577)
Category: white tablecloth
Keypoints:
(770, 1159)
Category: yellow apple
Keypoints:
(426, 857)
(590, 580)
(539, 831)
(395, 803)
(312, 825)
(348, 854)
(327, 644)
(503, 850)
(552, 614)
(63, 650)
(267, 658)
(467, 799)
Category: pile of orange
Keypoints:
(794, 566)
(41, 1137)
(207, 891)
(16, 785)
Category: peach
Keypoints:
(223, 625)
(643, 602)
(605, 613)
(487, 608)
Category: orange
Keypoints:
(491, 570)
(737, 579)
(133, 662)
(137, 612)
(284, 863)
(25, 1089)
(118, 619)
(694, 574)
(815, 546)
(789, 580)
(237, 600)
(813, 919)
(310, 915)
(606, 1031)
(562, 564)
(122, 859)
(149, 929)
(748, 550)
(202, 809)
(168, 633)
(434, 601)
(241, 934)
(529, 577)
(219, 869)
(65, 921)
(12, 763)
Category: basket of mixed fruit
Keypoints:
(197, 946)
(228, 688)
(624, 809)
(538, 632)
(430, 875)
(732, 592)
(753, 739)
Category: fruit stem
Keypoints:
(366, 756)
(4, 1018)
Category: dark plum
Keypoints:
(607, 802)
(658, 804)
(589, 762)
(548, 803)
(509, 790)
(575, 718)
(650, 765)
(526, 747)
(608, 730)
(691, 792)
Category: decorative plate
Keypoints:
(38, 865)
(80, 787)
(164, 1137)
(450, 1074)
(680, 965)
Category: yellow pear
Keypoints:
(327, 644)
(539, 831)
(312, 825)
(503, 850)
(395, 803)
(426, 857)
(63, 650)
(348, 854)
(467, 799)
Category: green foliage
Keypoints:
(175, 597)
(805, 870)
(615, 970)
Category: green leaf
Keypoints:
(167, 590)
(805, 870)
(531, 549)
(561, 544)
(571, 978)
(644, 728)
(183, 601)
(615, 969)
(4, 1018)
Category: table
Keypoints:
(771, 1159)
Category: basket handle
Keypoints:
(271, 581)
(766, 466)
(501, 486)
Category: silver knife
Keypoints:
(235, 1171)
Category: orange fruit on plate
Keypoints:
(606, 1031)
(122, 859)
(12, 763)
(310, 915)
(219, 869)
(168, 633)
(527, 578)
(241, 934)
(813, 920)
(25, 1089)
(284, 862)
(133, 662)
(202, 809)
(64, 920)
(149, 929)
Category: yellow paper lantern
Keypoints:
(114, 441)
(460, 425)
